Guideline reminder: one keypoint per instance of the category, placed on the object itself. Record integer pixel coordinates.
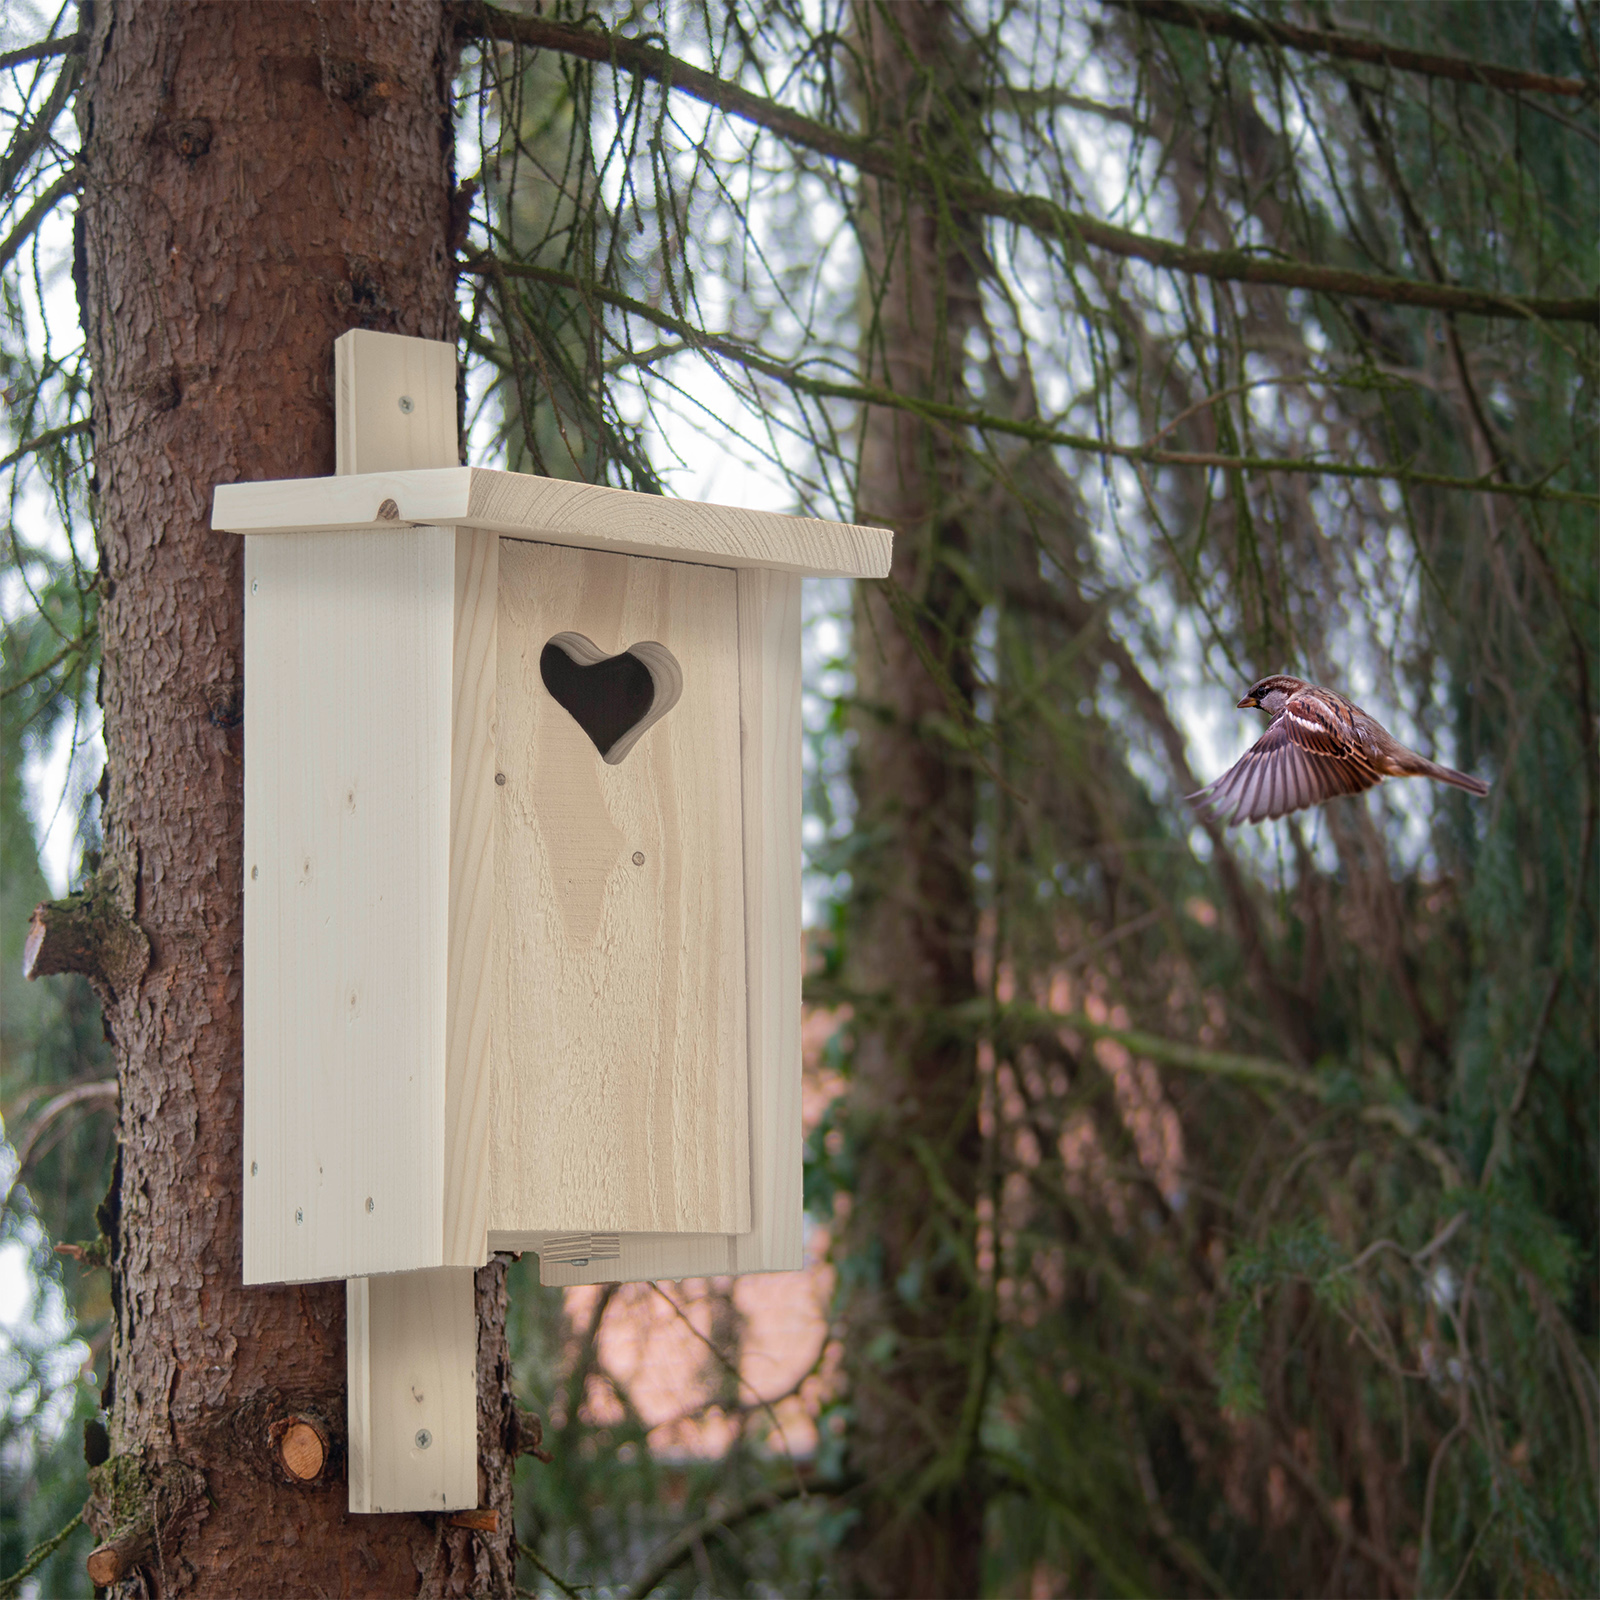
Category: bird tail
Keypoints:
(1461, 780)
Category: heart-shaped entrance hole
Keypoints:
(616, 700)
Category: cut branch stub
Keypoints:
(89, 932)
(525, 1436)
(484, 1520)
(109, 1562)
(300, 1446)
(135, 1500)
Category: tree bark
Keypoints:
(914, 1324)
(259, 178)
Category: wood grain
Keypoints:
(411, 1338)
(468, 1064)
(348, 655)
(769, 708)
(583, 515)
(394, 403)
(620, 1078)
(412, 1366)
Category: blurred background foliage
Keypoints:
(1203, 1212)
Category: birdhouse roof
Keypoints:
(520, 505)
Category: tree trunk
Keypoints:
(259, 179)
(916, 1328)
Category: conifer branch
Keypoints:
(37, 212)
(42, 51)
(27, 141)
(1350, 46)
(43, 441)
(1021, 428)
(37, 1557)
(974, 195)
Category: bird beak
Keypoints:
(1247, 704)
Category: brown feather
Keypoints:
(1317, 746)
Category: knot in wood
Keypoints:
(189, 138)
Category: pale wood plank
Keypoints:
(769, 704)
(472, 831)
(584, 515)
(412, 1366)
(412, 1337)
(620, 1078)
(348, 645)
(769, 697)
(395, 403)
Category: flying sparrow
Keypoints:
(1317, 745)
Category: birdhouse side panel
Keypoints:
(620, 1098)
(348, 641)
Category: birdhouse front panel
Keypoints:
(620, 1085)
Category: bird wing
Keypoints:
(1307, 755)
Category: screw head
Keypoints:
(407, 404)
(255, 586)
(299, 1215)
(369, 1202)
(500, 778)
(638, 858)
(424, 1438)
(255, 872)
(255, 1167)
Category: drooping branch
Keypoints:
(1021, 428)
(43, 441)
(37, 1557)
(1350, 46)
(681, 1546)
(971, 194)
(1260, 1070)
(36, 213)
(28, 140)
(42, 51)
(99, 1091)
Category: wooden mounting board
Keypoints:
(412, 1360)
(584, 515)
(412, 1337)
(620, 1085)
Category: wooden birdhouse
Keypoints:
(522, 865)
